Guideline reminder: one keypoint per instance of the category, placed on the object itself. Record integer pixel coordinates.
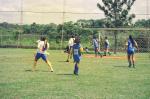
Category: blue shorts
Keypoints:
(76, 58)
(39, 55)
(96, 49)
(106, 47)
(130, 51)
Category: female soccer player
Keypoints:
(96, 46)
(43, 45)
(131, 44)
(77, 49)
(106, 46)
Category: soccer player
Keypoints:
(131, 44)
(96, 46)
(106, 46)
(70, 45)
(43, 45)
(77, 49)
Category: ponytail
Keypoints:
(132, 40)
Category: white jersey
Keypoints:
(41, 45)
(71, 41)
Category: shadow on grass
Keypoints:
(121, 66)
(66, 74)
(37, 70)
(29, 70)
(63, 61)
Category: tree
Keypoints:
(142, 23)
(117, 14)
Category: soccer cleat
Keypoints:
(75, 73)
(133, 66)
(129, 66)
(67, 60)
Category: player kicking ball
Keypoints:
(43, 45)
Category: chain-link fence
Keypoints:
(117, 39)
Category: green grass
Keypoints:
(98, 78)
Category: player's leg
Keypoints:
(133, 60)
(129, 59)
(47, 62)
(71, 52)
(68, 56)
(50, 65)
(77, 61)
(34, 65)
(98, 51)
(105, 51)
(76, 68)
(95, 50)
(37, 56)
(108, 51)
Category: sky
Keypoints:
(50, 11)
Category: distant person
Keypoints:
(86, 50)
(106, 47)
(96, 46)
(70, 45)
(77, 49)
(43, 45)
(130, 45)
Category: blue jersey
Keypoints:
(130, 49)
(76, 52)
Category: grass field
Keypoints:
(105, 78)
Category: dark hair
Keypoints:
(106, 37)
(45, 42)
(72, 36)
(77, 40)
(43, 38)
(131, 39)
(94, 37)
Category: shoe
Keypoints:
(133, 66)
(75, 73)
(129, 66)
(67, 60)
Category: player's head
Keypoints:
(72, 36)
(77, 40)
(106, 37)
(94, 36)
(43, 38)
(131, 39)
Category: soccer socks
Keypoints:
(109, 53)
(130, 64)
(76, 69)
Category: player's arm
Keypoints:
(48, 45)
(136, 45)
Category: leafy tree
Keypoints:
(117, 14)
(142, 23)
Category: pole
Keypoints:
(63, 17)
(99, 40)
(21, 22)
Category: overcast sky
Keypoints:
(78, 8)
